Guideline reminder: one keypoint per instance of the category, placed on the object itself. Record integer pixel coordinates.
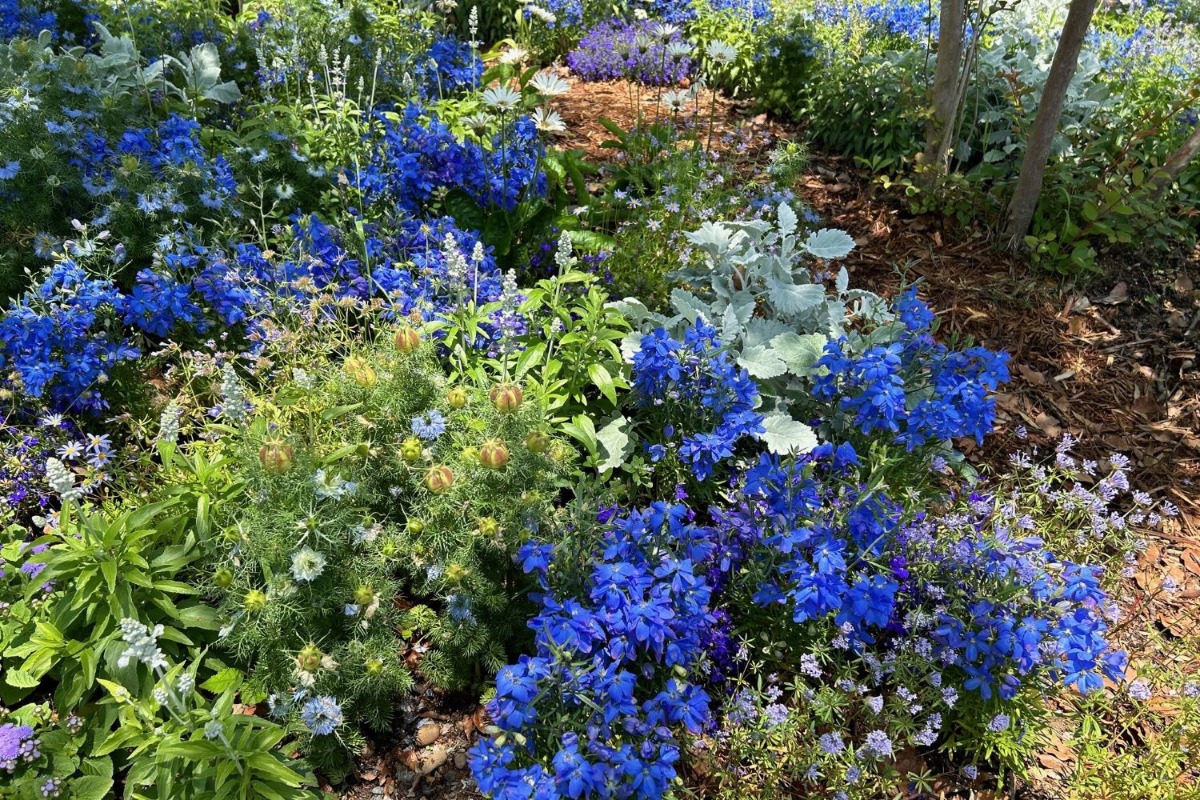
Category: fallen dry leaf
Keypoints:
(1119, 294)
(1032, 376)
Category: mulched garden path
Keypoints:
(1111, 360)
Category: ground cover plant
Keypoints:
(366, 430)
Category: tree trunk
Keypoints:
(944, 92)
(1175, 165)
(1045, 124)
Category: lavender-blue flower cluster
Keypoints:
(616, 49)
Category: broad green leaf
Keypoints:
(91, 787)
(20, 679)
(227, 678)
(795, 298)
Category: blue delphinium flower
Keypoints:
(616, 654)
(710, 399)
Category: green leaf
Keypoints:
(91, 787)
(784, 435)
(228, 678)
(795, 298)
(200, 616)
(583, 430)
(20, 679)
(109, 569)
(603, 381)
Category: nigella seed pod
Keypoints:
(415, 527)
(223, 577)
(456, 397)
(309, 658)
(493, 454)
(374, 666)
(506, 397)
(364, 596)
(537, 441)
(358, 370)
(438, 479)
(488, 526)
(410, 449)
(407, 340)
(254, 601)
(276, 456)
(456, 573)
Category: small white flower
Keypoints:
(721, 53)
(549, 85)
(548, 121)
(478, 123)
(514, 56)
(675, 100)
(542, 14)
(502, 99)
(678, 51)
(307, 564)
(664, 31)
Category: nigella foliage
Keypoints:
(913, 386)
(848, 566)
(414, 159)
(614, 654)
(617, 49)
(709, 400)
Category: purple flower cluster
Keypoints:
(609, 673)
(62, 341)
(18, 743)
(615, 49)
(21, 18)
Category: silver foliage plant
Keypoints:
(118, 70)
(757, 285)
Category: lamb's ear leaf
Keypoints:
(829, 243)
(785, 436)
